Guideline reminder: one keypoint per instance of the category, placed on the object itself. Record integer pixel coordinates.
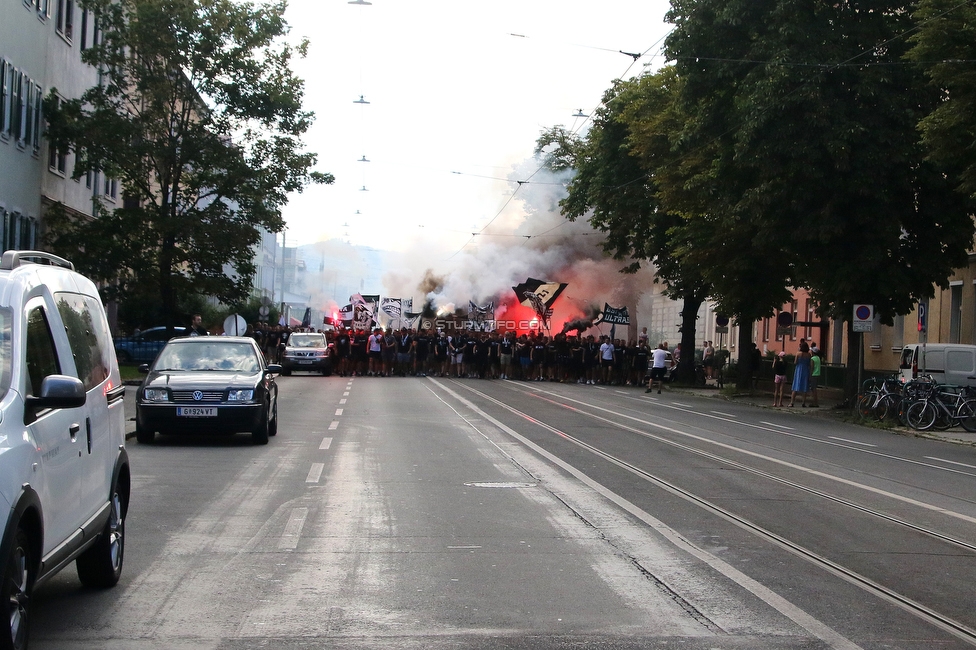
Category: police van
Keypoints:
(947, 363)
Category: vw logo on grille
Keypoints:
(197, 395)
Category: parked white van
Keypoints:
(948, 363)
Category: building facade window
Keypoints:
(955, 311)
(6, 87)
(64, 19)
(83, 34)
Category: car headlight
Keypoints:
(243, 395)
(156, 395)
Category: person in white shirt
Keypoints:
(659, 366)
(606, 358)
(375, 349)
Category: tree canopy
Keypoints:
(781, 148)
(200, 118)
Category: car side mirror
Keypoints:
(144, 368)
(58, 392)
(274, 368)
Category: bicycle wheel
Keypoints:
(921, 415)
(966, 413)
(888, 407)
(865, 405)
(943, 418)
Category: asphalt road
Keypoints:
(439, 513)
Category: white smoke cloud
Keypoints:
(528, 238)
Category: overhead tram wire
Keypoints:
(635, 57)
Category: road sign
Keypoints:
(923, 309)
(863, 318)
(719, 329)
(721, 320)
(235, 325)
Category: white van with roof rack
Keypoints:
(947, 363)
(64, 471)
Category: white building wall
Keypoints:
(40, 42)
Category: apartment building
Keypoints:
(41, 42)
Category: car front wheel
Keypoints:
(273, 426)
(101, 565)
(260, 433)
(15, 591)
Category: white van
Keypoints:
(948, 363)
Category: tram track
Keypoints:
(958, 629)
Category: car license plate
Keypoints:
(196, 411)
(305, 361)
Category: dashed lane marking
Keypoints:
(293, 530)
(326, 443)
(315, 473)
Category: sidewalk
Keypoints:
(831, 407)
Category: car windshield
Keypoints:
(307, 341)
(207, 353)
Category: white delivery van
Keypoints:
(948, 363)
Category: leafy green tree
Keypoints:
(200, 117)
(804, 154)
(945, 47)
(614, 188)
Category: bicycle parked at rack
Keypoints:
(879, 398)
(942, 406)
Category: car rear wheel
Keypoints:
(261, 432)
(101, 565)
(15, 590)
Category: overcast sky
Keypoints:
(456, 102)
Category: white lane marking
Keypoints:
(727, 415)
(463, 547)
(315, 473)
(951, 462)
(293, 530)
(346, 394)
(333, 426)
(342, 401)
(338, 411)
(778, 426)
(622, 392)
(815, 627)
(686, 406)
(326, 443)
(853, 442)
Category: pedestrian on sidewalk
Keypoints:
(801, 374)
(814, 377)
(779, 378)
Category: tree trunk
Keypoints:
(743, 379)
(685, 371)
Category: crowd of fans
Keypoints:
(468, 354)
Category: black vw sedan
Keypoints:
(208, 384)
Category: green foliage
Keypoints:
(200, 118)
(805, 165)
(615, 188)
(945, 47)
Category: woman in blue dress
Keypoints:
(801, 374)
